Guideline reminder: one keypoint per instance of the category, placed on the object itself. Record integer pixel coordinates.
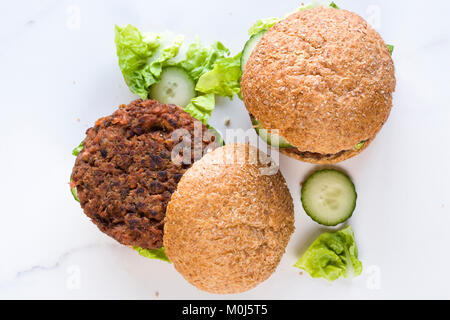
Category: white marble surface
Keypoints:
(56, 68)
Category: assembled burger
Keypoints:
(323, 78)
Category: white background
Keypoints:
(58, 65)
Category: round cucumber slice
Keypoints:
(274, 140)
(329, 197)
(175, 87)
(249, 47)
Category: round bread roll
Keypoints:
(228, 224)
(324, 78)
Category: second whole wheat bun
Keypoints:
(228, 225)
(324, 78)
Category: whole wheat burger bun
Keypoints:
(324, 78)
(228, 224)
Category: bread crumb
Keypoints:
(227, 121)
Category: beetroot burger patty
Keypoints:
(125, 175)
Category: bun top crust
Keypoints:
(323, 77)
(227, 225)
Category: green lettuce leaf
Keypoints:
(266, 24)
(142, 57)
(164, 59)
(75, 194)
(78, 149)
(76, 152)
(200, 59)
(263, 25)
(223, 79)
(157, 254)
(332, 256)
(390, 48)
(201, 107)
(334, 5)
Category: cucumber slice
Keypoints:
(175, 87)
(329, 197)
(274, 140)
(249, 47)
